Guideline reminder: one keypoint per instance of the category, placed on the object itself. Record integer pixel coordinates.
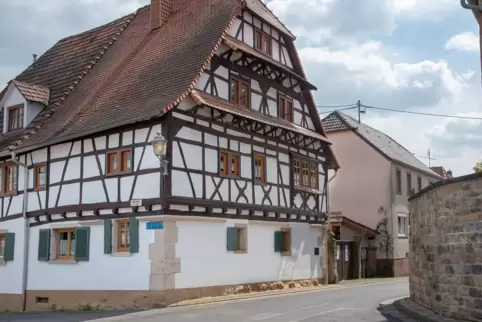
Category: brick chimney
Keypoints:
(160, 11)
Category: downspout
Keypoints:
(327, 232)
(332, 177)
(26, 228)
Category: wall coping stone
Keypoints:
(444, 182)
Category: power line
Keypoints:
(331, 106)
(422, 113)
(341, 109)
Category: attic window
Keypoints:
(15, 117)
(262, 42)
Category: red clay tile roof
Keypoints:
(138, 73)
(62, 67)
(123, 72)
(33, 93)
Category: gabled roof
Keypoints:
(124, 72)
(391, 149)
(33, 93)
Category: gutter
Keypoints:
(470, 5)
(26, 235)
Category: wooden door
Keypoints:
(344, 260)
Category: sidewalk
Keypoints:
(253, 295)
(418, 312)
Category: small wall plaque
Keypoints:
(154, 225)
(136, 202)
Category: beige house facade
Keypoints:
(376, 178)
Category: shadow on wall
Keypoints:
(446, 247)
(305, 243)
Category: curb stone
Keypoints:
(418, 312)
(254, 295)
(387, 308)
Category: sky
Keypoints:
(409, 55)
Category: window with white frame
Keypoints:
(402, 225)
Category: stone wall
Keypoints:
(446, 247)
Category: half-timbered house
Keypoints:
(87, 212)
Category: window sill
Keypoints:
(63, 262)
(40, 188)
(118, 174)
(402, 236)
(287, 253)
(310, 190)
(241, 251)
(121, 254)
(10, 194)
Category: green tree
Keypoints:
(478, 167)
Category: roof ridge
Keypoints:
(113, 22)
(342, 118)
(48, 112)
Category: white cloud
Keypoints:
(337, 41)
(427, 9)
(368, 71)
(466, 41)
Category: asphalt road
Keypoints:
(356, 303)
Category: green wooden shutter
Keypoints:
(44, 245)
(232, 239)
(9, 247)
(82, 244)
(133, 235)
(278, 241)
(107, 236)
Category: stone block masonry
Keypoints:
(446, 247)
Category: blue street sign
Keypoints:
(154, 225)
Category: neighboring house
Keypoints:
(377, 177)
(446, 174)
(87, 212)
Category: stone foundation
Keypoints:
(10, 302)
(446, 248)
(108, 300)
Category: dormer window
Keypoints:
(15, 117)
(262, 42)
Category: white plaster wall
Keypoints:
(11, 273)
(101, 272)
(206, 262)
(31, 111)
(147, 186)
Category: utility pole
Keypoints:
(358, 106)
(428, 157)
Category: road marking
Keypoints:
(273, 315)
(323, 313)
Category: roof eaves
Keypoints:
(429, 173)
(47, 113)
